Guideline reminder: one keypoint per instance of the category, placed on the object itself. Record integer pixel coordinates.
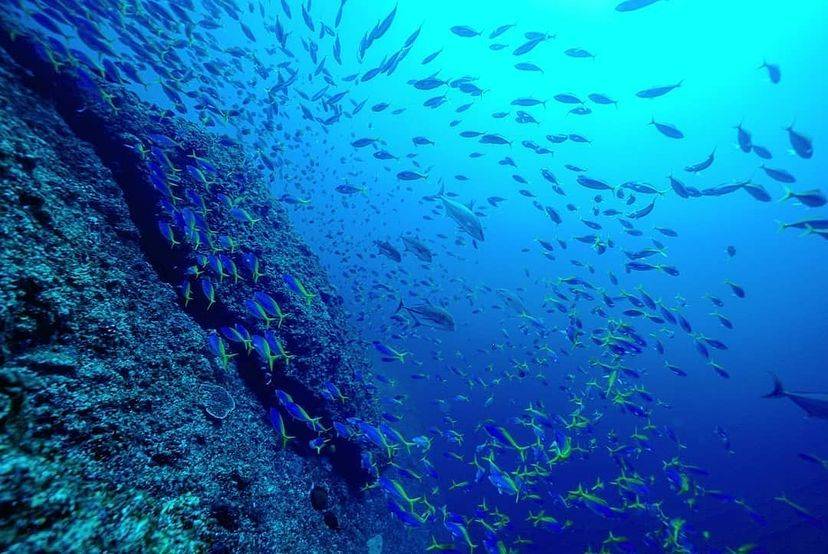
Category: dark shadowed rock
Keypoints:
(319, 498)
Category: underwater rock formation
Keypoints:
(107, 442)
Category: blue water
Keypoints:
(472, 374)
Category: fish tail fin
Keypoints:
(788, 194)
(537, 444)
(522, 452)
(778, 391)
(314, 421)
(401, 306)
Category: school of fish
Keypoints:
(291, 79)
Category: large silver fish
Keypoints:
(815, 404)
(429, 314)
(513, 301)
(420, 250)
(463, 215)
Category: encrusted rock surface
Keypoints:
(105, 443)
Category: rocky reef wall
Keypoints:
(107, 384)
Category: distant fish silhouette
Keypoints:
(815, 404)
